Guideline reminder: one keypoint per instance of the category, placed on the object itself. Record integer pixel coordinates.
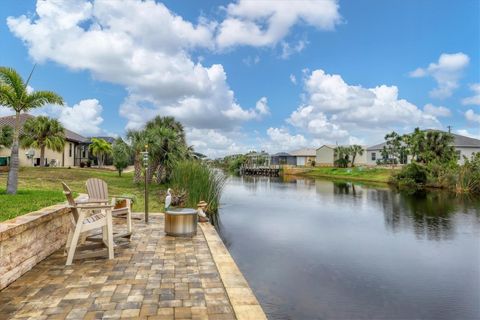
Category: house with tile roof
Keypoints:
(464, 146)
(74, 152)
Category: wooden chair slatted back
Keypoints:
(73, 206)
(97, 189)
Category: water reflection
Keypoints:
(314, 249)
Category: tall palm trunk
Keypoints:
(159, 177)
(137, 177)
(12, 180)
(42, 156)
(152, 170)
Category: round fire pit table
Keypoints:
(181, 222)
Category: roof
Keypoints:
(10, 121)
(333, 146)
(305, 152)
(282, 154)
(459, 141)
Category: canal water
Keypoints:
(317, 249)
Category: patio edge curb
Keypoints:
(242, 298)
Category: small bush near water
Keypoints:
(201, 183)
(463, 178)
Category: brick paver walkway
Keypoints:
(154, 277)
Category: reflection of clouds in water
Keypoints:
(314, 248)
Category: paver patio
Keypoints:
(155, 276)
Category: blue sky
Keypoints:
(245, 75)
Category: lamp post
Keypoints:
(145, 171)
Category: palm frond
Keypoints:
(12, 78)
(39, 98)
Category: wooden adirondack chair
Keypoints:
(97, 190)
(83, 222)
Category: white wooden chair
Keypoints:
(83, 222)
(97, 190)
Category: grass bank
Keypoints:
(357, 173)
(40, 187)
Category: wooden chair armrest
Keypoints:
(86, 201)
(94, 206)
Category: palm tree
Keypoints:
(100, 148)
(354, 150)
(167, 143)
(167, 150)
(138, 140)
(14, 95)
(6, 137)
(42, 132)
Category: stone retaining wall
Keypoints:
(28, 239)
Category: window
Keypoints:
(459, 154)
(83, 151)
(374, 156)
(70, 150)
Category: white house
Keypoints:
(304, 157)
(465, 146)
(325, 156)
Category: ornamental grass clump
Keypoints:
(468, 180)
(201, 183)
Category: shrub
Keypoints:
(82, 164)
(412, 175)
(341, 163)
(468, 180)
(89, 163)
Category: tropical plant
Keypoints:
(43, 133)
(430, 146)
(394, 148)
(100, 149)
(6, 137)
(200, 181)
(14, 95)
(342, 156)
(167, 144)
(121, 155)
(355, 150)
(412, 176)
(138, 141)
(469, 175)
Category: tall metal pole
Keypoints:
(145, 164)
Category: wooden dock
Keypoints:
(271, 171)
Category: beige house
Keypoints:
(325, 156)
(74, 152)
(304, 157)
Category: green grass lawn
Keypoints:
(357, 173)
(41, 187)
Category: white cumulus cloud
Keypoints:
(475, 99)
(280, 139)
(84, 118)
(470, 115)
(149, 57)
(334, 110)
(446, 72)
(435, 111)
(265, 23)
